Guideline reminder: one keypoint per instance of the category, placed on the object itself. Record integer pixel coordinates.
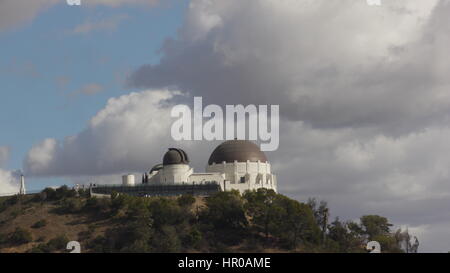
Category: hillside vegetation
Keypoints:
(257, 221)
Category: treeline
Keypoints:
(256, 221)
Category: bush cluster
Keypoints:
(253, 221)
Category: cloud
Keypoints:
(8, 182)
(331, 64)
(8, 179)
(361, 172)
(108, 24)
(4, 155)
(129, 134)
(14, 13)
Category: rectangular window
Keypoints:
(242, 179)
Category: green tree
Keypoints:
(288, 220)
(345, 237)
(321, 214)
(166, 211)
(224, 217)
(166, 240)
(297, 224)
(261, 210)
(374, 225)
(186, 200)
(64, 192)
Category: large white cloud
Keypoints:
(129, 134)
(8, 182)
(8, 179)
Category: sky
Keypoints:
(86, 93)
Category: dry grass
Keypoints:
(26, 215)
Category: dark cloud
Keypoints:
(333, 65)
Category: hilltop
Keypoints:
(258, 221)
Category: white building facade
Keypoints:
(234, 164)
(244, 176)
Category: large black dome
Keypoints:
(175, 156)
(239, 150)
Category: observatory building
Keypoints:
(234, 164)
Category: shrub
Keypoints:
(58, 243)
(39, 224)
(166, 240)
(20, 236)
(71, 205)
(192, 239)
(3, 238)
(84, 235)
(48, 194)
(98, 245)
(12, 200)
(41, 248)
(15, 213)
(186, 200)
(97, 205)
(64, 192)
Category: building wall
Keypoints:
(172, 174)
(240, 176)
(206, 177)
(244, 176)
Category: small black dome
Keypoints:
(239, 150)
(175, 156)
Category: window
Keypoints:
(260, 178)
(242, 179)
